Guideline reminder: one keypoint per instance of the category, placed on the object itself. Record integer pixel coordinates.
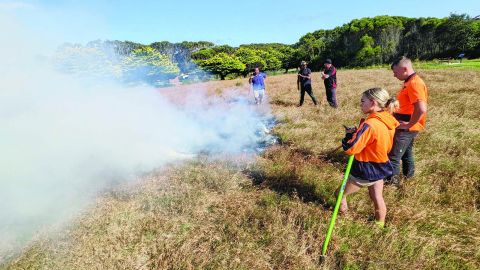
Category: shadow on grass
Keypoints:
(287, 184)
(336, 157)
(283, 103)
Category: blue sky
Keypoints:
(222, 22)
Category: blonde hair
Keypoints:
(382, 98)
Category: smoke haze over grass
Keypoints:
(64, 139)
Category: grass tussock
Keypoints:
(273, 214)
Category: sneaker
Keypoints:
(380, 224)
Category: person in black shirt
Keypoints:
(329, 77)
(304, 83)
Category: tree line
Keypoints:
(359, 43)
(378, 40)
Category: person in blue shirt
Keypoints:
(257, 81)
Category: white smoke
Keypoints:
(63, 139)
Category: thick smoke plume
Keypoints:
(64, 139)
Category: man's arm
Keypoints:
(298, 81)
(419, 110)
(327, 73)
(308, 76)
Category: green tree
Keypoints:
(424, 38)
(275, 55)
(224, 49)
(181, 53)
(272, 59)
(251, 58)
(368, 54)
(476, 30)
(287, 56)
(149, 65)
(203, 54)
(387, 34)
(458, 34)
(311, 46)
(122, 48)
(222, 65)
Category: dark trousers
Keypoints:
(332, 96)
(402, 151)
(307, 88)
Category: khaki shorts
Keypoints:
(259, 93)
(362, 182)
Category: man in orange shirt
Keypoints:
(411, 115)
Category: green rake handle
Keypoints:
(337, 206)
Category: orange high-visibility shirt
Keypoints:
(414, 89)
(371, 144)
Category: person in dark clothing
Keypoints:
(329, 77)
(304, 83)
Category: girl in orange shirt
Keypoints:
(370, 144)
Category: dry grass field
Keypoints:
(273, 212)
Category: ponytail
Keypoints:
(392, 105)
